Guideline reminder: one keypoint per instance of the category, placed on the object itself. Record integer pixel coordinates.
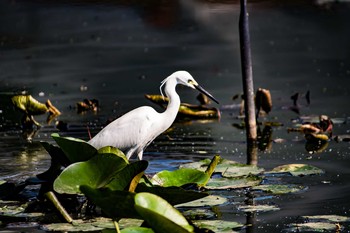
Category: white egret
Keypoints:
(135, 130)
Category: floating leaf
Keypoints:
(56, 153)
(174, 195)
(116, 204)
(160, 215)
(96, 224)
(297, 169)
(180, 177)
(129, 222)
(218, 226)
(122, 179)
(96, 173)
(239, 170)
(280, 188)
(258, 208)
(137, 230)
(195, 213)
(16, 211)
(327, 218)
(312, 227)
(227, 168)
(233, 183)
(211, 200)
(113, 150)
(199, 165)
(75, 149)
(319, 223)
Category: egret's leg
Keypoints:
(140, 154)
(130, 152)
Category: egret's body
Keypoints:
(135, 130)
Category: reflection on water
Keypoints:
(117, 52)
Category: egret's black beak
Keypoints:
(201, 89)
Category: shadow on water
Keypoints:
(117, 51)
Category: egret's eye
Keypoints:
(190, 81)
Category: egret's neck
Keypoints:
(174, 102)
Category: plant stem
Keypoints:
(211, 167)
(116, 225)
(52, 197)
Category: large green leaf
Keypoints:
(122, 179)
(116, 204)
(75, 149)
(180, 177)
(174, 195)
(56, 153)
(113, 150)
(96, 173)
(160, 215)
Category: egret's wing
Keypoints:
(127, 131)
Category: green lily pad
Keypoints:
(174, 195)
(116, 204)
(193, 214)
(211, 200)
(297, 169)
(319, 223)
(137, 230)
(96, 224)
(233, 183)
(218, 226)
(199, 165)
(75, 149)
(312, 227)
(280, 188)
(96, 173)
(129, 222)
(227, 168)
(113, 150)
(258, 208)
(238, 170)
(160, 215)
(180, 177)
(327, 218)
(56, 153)
(122, 179)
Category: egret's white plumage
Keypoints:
(135, 130)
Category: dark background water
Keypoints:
(117, 51)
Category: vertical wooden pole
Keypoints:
(247, 74)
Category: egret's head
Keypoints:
(186, 79)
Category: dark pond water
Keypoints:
(117, 51)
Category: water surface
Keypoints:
(116, 52)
